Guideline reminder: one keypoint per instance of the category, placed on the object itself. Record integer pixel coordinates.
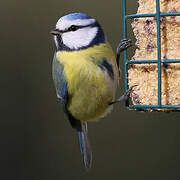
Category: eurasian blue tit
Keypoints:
(85, 73)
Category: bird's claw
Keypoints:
(124, 44)
(125, 96)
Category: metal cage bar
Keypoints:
(125, 51)
(159, 50)
(158, 61)
(150, 15)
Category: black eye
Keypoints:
(73, 28)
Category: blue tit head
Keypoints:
(77, 31)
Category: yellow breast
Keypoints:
(88, 86)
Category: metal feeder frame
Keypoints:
(159, 61)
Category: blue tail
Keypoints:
(85, 146)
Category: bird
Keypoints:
(85, 73)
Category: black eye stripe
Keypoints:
(72, 28)
(75, 27)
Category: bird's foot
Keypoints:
(125, 96)
(124, 44)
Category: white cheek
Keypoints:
(80, 38)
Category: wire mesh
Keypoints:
(158, 61)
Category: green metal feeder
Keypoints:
(157, 61)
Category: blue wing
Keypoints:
(60, 81)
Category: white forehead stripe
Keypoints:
(63, 24)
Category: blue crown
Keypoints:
(74, 16)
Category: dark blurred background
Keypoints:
(36, 140)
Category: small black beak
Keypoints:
(55, 32)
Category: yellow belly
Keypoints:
(88, 87)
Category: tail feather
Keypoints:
(85, 146)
